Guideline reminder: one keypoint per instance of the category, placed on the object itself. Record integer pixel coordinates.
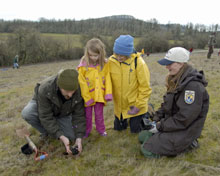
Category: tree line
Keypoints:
(29, 44)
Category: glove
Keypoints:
(133, 110)
(108, 97)
(153, 128)
(146, 124)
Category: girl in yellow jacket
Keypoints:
(130, 84)
(95, 84)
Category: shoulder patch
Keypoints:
(189, 96)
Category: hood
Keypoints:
(192, 74)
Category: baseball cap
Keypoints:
(176, 54)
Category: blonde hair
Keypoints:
(97, 46)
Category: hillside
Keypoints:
(64, 40)
(109, 25)
(118, 154)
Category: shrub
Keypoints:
(153, 43)
(71, 53)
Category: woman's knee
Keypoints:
(144, 136)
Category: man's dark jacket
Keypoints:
(51, 107)
(179, 122)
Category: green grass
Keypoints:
(73, 39)
(173, 42)
(117, 154)
(4, 36)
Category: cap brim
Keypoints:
(165, 62)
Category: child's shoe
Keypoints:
(104, 134)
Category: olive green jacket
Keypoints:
(51, 107)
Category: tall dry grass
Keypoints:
(119, 152)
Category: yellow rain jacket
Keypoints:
(130, 85)
(95, 84)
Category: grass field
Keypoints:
(73, 39)
(118, 154)
(4, 36)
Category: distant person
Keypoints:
(130, 84)
(178, 123)
(95, 84)
(142, 51)
(15, 62)
(191, 50)
(57, 109)
(211, 44)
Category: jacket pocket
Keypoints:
(132, 99)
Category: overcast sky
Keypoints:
(174, 11)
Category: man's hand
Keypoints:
(66, 143)
(79, 144)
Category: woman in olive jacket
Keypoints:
(179, 121)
